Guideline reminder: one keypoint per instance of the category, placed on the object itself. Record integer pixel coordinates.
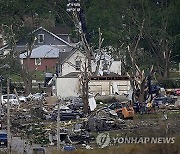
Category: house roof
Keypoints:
(60, 30)
(68, 56)
(57, 30)
(111, 76)
(45, 51)
(64, 55)
(41, 28)
(71, 75)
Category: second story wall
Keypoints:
(73, 63)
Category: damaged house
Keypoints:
(108, 81)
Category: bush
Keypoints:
(170, 83)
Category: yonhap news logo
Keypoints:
(103, 140)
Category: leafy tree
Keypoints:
(14, 17)
(118, 21)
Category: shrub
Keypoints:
(170, 83)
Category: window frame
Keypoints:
(78, 65)
(39, 38)
(37, 63)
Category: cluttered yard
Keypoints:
(34, 124)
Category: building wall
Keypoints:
(48, 39)
(116, 67)
(69, 65)
(67, 87)
(107, 87)
(49, 62)
(65, 37)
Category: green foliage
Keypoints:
(118, 20)
(15, 14)
(12, 69)
(170, 83)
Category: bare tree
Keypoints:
(86, 48)
(84, 79)
(26, 72)
(162, 53)
(138, 77)
(99, 52)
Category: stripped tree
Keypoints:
(84, 47)
(138, 77)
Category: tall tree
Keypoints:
(17, 20)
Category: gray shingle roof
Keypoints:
(46, 51)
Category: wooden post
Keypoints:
(0, 98)
(8, 118)
(58, 127)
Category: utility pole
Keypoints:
(0, 97)
(58, 127)
(1, 110)
(8, 118)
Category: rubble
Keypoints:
(33, 121)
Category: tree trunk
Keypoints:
(89, 61)
(28, 86)
(85, 96)
(166, 72)
(97, 67)
(142, 93)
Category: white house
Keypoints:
(67, 84)
(74, 61)
(71, 62)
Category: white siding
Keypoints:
(116, 67)
(67, 87)
(67, 65)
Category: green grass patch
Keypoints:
(16, 78)
(38, 76)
